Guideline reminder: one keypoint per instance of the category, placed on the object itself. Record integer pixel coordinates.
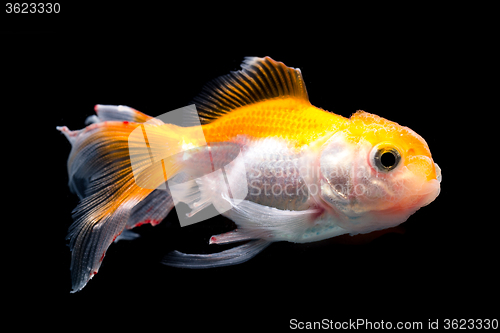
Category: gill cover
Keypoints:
(369, 191)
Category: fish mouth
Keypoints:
(439, 177)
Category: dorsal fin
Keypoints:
(259, 79)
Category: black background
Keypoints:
(420, 71)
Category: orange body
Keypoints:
(290, 119)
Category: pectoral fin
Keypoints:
(259, 221)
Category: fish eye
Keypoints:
(385, 158)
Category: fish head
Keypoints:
(375, 173)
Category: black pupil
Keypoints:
(388, 159)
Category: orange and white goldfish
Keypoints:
(303, 174)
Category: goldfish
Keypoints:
(255, 148)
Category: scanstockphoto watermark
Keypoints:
(265, 187)
(330, 324)
(429, 324)
(299, 167)
(299, 178)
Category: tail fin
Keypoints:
(100, 173)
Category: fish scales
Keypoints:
(274, 178)
(288, 119)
